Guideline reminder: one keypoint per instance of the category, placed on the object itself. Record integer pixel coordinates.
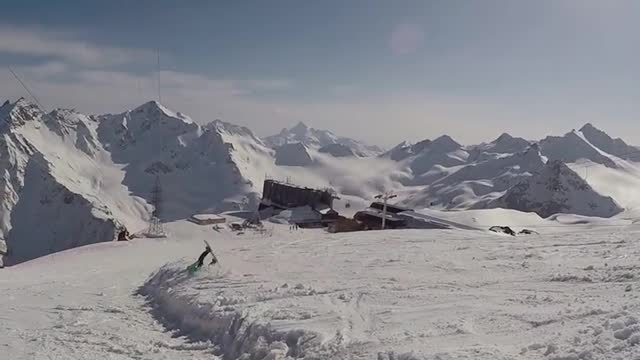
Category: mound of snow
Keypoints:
(557, 189)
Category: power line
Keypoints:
(159, 95)
(26, 88)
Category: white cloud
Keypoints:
(62, 47)
(72, 79)
(382, 119)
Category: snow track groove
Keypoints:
(233, 332)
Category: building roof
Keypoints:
(390, 207)
(294, 185)
(378, 214)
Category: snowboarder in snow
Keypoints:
(200, 262)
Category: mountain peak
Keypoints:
(594, 134)
(503, 137)
(299, 128)
(17, 113)
(589, 127)
(154, 107)
(316, 139)
(445, 143)
(606, 143)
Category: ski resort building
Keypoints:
(285, 196)
(393, 209)
(278, 196)
(397, 217)
(372, 219)
(207, 219)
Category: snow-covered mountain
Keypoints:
(572, 147)
(556, 189)
(463, 186)
(446, 180)
(200, 167)
(604, 142)
(423, 156)
(316, 139)
(504, 144)
(53, 170)
(102, 170)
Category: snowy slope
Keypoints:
(307, 294)
(293, 154)
(314, 138)
(337, 150)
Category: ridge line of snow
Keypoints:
(233, 332)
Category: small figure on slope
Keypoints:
(200, 262)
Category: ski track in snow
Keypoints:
(410, 294)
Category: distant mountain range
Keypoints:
(101, 170)
(322, 140)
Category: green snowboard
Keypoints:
(193, 268)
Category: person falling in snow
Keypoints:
(200, 262)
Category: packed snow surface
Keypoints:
(307, 294)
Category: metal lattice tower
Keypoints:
(155, 226)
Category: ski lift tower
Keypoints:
(156, 229)
(385, 197)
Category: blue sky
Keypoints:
(382, 71)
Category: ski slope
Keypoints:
(307, 294)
